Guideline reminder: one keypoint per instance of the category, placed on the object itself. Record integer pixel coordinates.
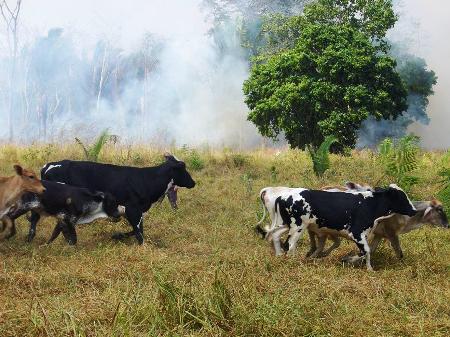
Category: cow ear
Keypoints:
(169, 157)
(180, 164)
(99, 196)
(350, 185)
(18, 169)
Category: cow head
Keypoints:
(351, 186)
(399, 201)
(28, 180)
(180, 175)
(435, 214)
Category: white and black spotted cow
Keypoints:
(351, 215)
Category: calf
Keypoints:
(133, 187)
(351, 215)
(11, 189)
(70, 205)
(430, 212)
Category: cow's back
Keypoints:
(117, 180)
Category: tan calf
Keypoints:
(430, 212)
(11, 189)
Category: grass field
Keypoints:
(203, 271)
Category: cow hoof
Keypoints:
(308, 254)
(118, 236)
(30, 237)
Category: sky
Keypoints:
(425, 22)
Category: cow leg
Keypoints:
(375, 243)
(7, 228)
(395, 243)
(56, 231)
(12, 230)
(336, 244)
(135, 218)
(312, 243)
(34, 219)
(322, 239)
(276, 239)
(69, 233)
(363, 245)
(295, 233)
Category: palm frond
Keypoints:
(92, 152)
(95, 149)
(321, 156)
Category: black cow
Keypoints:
(351, 215)
(70, 205)
(133, 187)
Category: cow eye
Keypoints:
(31, 177)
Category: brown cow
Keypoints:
(11, 189)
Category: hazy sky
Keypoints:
(125, 21)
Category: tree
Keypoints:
(10, 17)
(281, 30)
(419, 82)
(327, 85)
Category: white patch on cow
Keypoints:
(92, 215)
(31, 205)
(140, 222)
(59, 182)
(51, 167)
(169, 185)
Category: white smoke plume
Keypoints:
(192, 95)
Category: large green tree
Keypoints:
(332, 80)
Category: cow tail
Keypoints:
(261, 231)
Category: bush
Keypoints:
(194, 161)
(400, 159)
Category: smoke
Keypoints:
(167, 77)
(423, 30)
(147, 70)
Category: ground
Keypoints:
(204, 272)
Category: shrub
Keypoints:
(92, 152)
(400, 159)
(321, 156)
(195, 162)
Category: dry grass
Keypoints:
(203, 272)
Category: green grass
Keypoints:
(204, 272)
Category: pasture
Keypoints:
(203, 271)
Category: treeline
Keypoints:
(56, 81)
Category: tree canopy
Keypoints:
(331, 81)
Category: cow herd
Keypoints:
(77, 192)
